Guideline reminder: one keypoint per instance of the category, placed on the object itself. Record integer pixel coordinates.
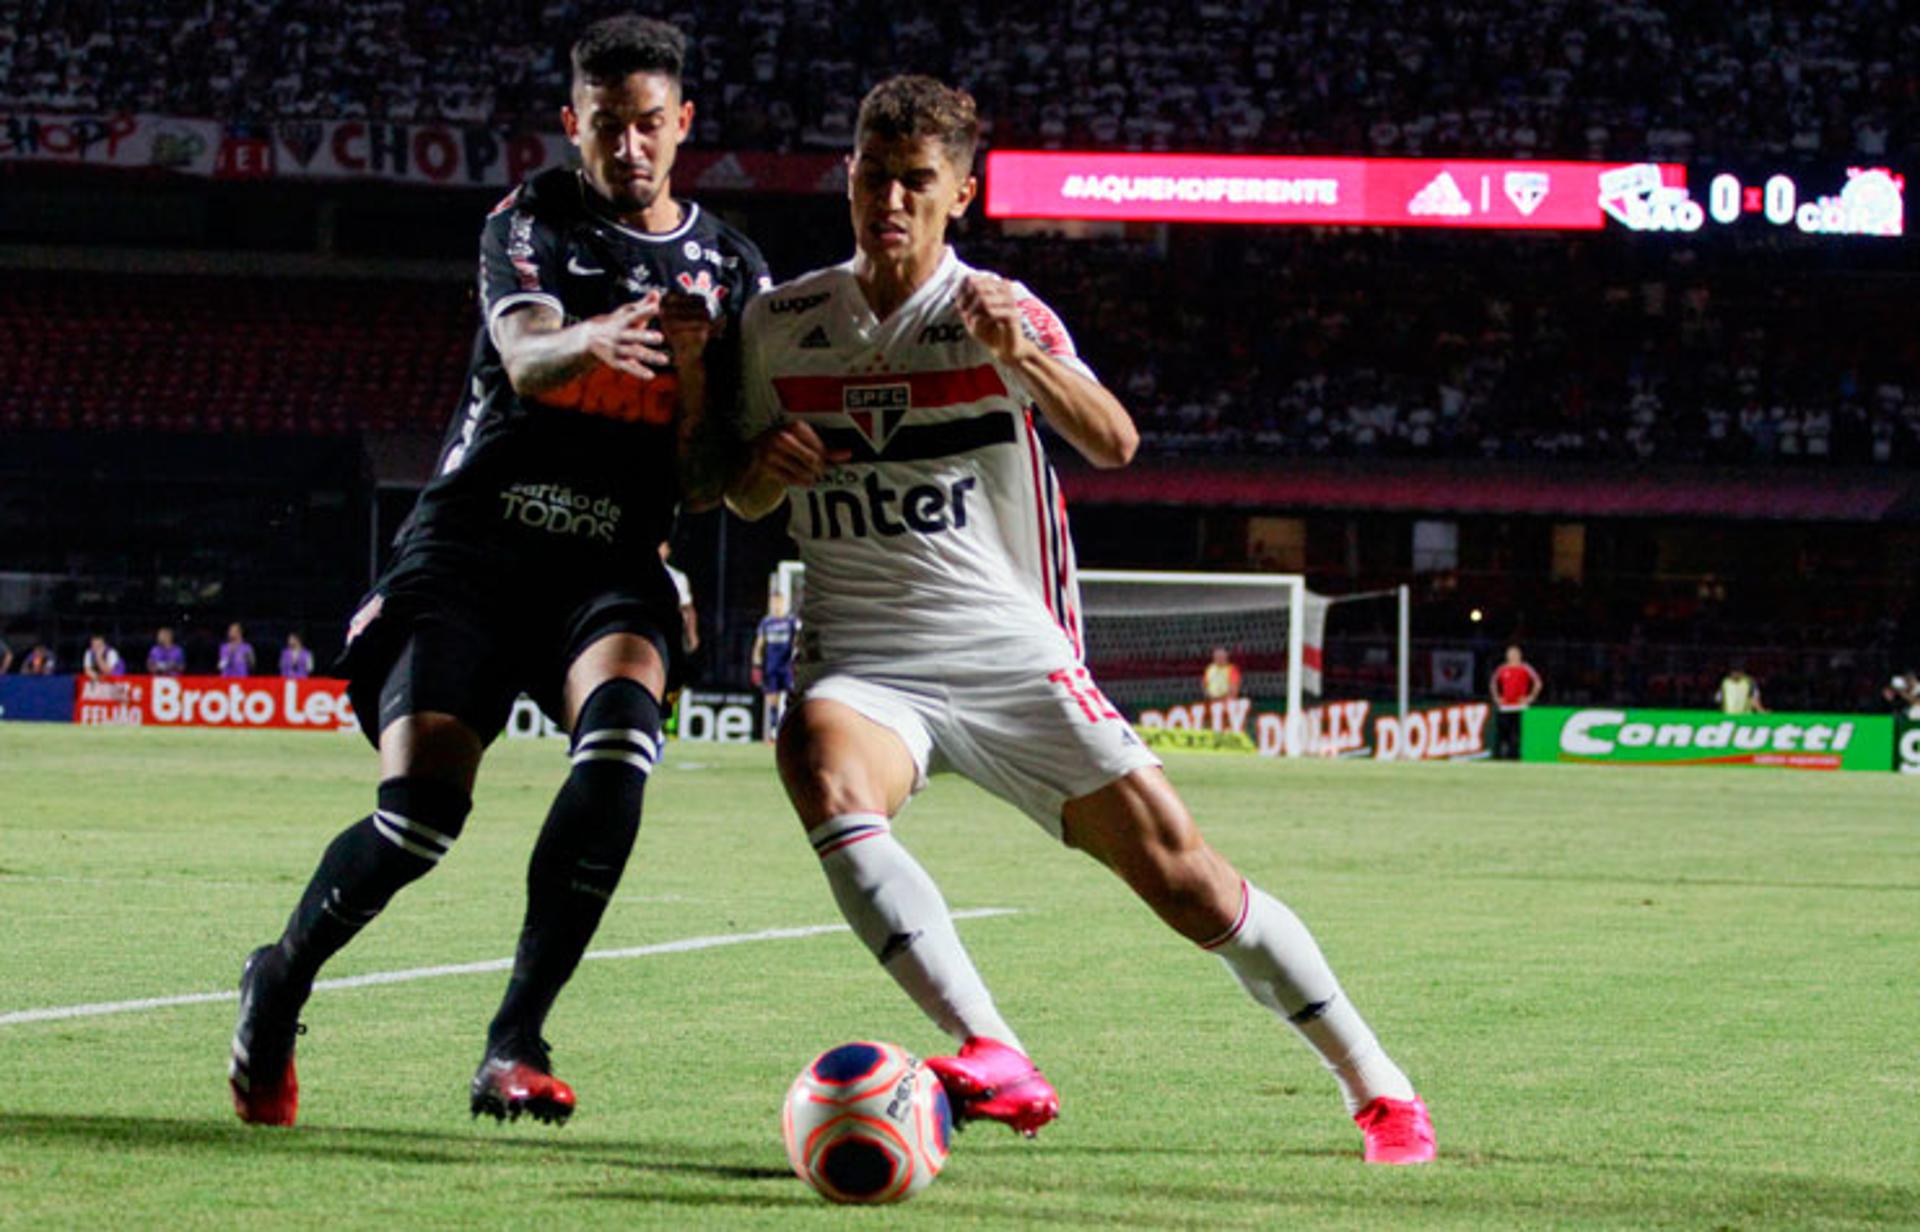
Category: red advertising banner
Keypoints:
(1379, 192)
(318, 704)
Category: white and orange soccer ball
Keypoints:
(867, 1122)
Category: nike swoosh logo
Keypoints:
(574, 267)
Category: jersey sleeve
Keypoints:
(759, 404)
(755, 278)
(724, 361)
(520, 263)
(1044, 326)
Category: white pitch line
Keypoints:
(371, 979)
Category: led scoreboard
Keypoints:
(1425, 192)
(1871, 202)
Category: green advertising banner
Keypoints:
(1906, 746)
(1612, 736)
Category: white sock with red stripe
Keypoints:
(1278, 962)
(896, 909)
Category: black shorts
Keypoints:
(468, 641)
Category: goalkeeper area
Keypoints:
(1633, 999)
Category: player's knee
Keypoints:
(823, 787)
(830, 769)
(815, 782)
(431, 746)
(823, 790)
(421, 816)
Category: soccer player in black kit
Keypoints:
(531, 562)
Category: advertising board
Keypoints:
(1380, 192)
(317, 704)
(721, 718)
(1332, 729)
(1487, 194)
(1613, 736)
(36, 699)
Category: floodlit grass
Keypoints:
(1633, 998)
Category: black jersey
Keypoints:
(586, 476)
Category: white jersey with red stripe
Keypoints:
(945, 532)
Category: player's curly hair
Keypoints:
(614, 48)
(911, 107)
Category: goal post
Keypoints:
(1128, 611)
(788, 580)
(1150, 633)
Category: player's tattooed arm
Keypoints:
(1080, 408)
(543, 355)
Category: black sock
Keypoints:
(365, 865)
(582, 851)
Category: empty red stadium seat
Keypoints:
(229, 354)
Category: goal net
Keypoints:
(1151, 634)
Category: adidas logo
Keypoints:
(1441, 196)
(816, 339)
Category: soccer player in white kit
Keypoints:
(891, 401)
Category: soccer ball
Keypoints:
(867, 1122)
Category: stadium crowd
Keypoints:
(1309, 345)
(1404, 344)
(232, 656)
(1616, 79)
(1277, 343)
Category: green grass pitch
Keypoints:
(1633, 999)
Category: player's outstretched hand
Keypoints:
(793, 454)
(625, 339)
(992, 315)
(689, 323)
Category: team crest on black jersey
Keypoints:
(705, 287)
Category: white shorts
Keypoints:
(1034, 730)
